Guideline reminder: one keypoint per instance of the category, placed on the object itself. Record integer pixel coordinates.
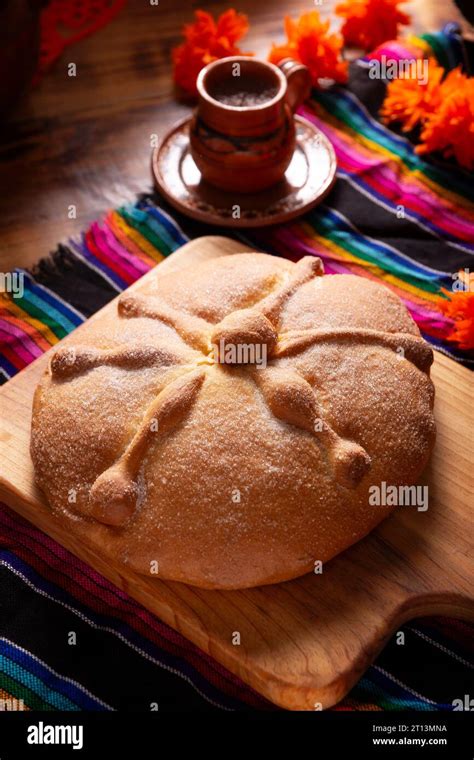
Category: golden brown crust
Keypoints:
(235, 475)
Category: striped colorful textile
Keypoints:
(68, 638)
(123, 658)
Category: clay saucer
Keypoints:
(307, 181)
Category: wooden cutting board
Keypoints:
(306, 642)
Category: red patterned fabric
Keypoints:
(64, 22)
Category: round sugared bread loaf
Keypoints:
(223, 425)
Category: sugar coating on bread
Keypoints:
(223, 426)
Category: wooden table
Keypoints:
(85, 141)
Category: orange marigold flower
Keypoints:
(443, 107)
(309, 42)
(369, 23)
(408, 101)
(450, 127)
(460, 308)
(207, 40)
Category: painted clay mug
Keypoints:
(242, 136)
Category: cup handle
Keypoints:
(299, 81)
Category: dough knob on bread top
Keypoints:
(243, 328)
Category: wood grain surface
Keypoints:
(85, 140)
(304, 642)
